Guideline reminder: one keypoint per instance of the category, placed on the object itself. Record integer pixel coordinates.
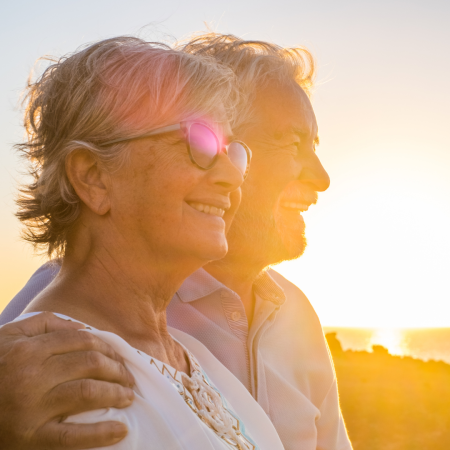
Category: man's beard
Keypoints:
(263, 235)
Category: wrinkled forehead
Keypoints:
(284, 108)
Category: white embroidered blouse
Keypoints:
(208, 410)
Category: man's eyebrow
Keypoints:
(304, 134)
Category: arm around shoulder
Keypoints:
(42, 383)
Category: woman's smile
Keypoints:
(211, 205)
(207, 209)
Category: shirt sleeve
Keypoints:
(331, 431)
(37, 283)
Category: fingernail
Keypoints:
(130, 394)
(120, 431)
(130, 379)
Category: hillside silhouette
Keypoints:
(392, 402)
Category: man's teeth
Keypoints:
(208, 209)
(297, 206)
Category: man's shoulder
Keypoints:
(37, 283)
(297, 316)
(285, 283)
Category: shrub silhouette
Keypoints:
(392, 402)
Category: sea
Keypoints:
(422, 343)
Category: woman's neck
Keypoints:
(126, 295)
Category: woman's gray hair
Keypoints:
(115, 88)
(256, 65)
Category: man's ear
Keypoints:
(89, 180)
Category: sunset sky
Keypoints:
(379, 238)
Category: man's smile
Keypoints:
(297, 197)
(301, 207)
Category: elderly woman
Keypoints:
(135, 183)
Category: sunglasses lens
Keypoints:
(203, 145)
(238, 156)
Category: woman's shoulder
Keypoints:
(160, 414)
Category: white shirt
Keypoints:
(282, 358)
(208, 410)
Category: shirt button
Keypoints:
(236, 315)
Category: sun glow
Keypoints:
(378, 243)
(390, 338)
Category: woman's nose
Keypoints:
(225, 173)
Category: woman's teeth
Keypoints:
(208, 209)
(296, 206)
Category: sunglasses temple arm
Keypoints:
(162, 130)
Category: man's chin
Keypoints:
(261, 240)
(291, 248)
(292, 238)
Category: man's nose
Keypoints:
(225, 173)
(315, 174)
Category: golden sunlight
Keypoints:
(378, 244)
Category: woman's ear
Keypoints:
(89, 180)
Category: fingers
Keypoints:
(65, 341)
(87, 395)
(86, 352)
(71, 354)
(49, 368)
(88, 364)
(42, 323)
(73, 436)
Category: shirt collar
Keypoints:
(201, 283)
(268, 289)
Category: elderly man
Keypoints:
(259, 325)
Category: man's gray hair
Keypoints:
(115, 88)
(256, 64)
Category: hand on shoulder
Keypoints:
(50, 370)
